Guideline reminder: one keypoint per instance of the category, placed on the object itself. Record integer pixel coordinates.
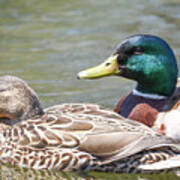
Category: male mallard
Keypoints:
(151, 63)
(84, 136)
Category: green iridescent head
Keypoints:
(146, 59)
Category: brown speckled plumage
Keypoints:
(71, 137)
(80, 137)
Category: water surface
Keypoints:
(47, 42)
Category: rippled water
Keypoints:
(20, 174)
(47, 42)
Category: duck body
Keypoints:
(73, 137)
(140, 109)
(145, 109)
(150, 62)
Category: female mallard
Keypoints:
(151, 63)
(84, 136)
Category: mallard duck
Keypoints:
(71, 137)
(149, 61)
(75, 136)
(18, 101)
(82, 137)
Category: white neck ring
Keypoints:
(146, 95)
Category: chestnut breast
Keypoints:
(141, 109)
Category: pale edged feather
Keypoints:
(76, 139)
(170, 163)
(100, 135)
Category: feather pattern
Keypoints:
(83, 136)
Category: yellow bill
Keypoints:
(107, 68)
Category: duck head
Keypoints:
(17, 101)
(146, 59)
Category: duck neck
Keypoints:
(148, 96)
(160, 86)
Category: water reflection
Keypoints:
(12, 173)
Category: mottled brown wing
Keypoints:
(117, 145)
(170, 163)
(81, 108)
(106, 135)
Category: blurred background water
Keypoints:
(47, 42)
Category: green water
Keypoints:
(20, 174)
(46, 42)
